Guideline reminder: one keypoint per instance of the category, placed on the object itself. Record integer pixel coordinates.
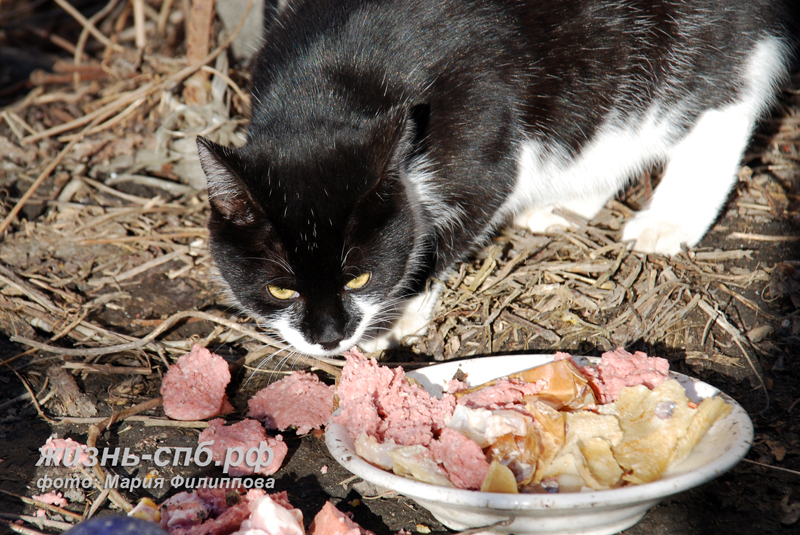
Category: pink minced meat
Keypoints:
(245, 435)
(52, 498)
(504, 394)
(380, 402)
(194, 387)
(300, 400)
(66, 446)
(331, 521)
(618, 369)
(462, 458)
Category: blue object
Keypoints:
(116, 525)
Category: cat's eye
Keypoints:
(281, 293)
(358, 282)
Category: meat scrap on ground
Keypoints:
(66, 452)
(194, 387)
(299, 400)
(331, 521)
(52, 498)
(244, 435)
(221, 511)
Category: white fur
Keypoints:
(701, 165)
(284, 325)
(417, 315)
(420, 176)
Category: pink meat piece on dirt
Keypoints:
(300, 400)
(380, 402)
(462, 458)
(271, 517)
(57, 448)
(194, 387)
(223, 510)
(52, 498)
(618, 369)
(504, 394)
(331, 521)
(245, 435)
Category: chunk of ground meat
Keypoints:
(618, 369)
(194, 387)
(380, 402)
(462, 458)
(244, 435)
(331, 521)
(52, 498)
(56, 448)
(300, 400)
(504, 394)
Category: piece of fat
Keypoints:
(418, 463)
(709, 411)
(651, 433)
(374, 452)
(499, 478)
(485, 426)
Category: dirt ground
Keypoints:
(112, 245)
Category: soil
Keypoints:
(750, 274)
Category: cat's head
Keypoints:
(314, 232)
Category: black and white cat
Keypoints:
(388, 139)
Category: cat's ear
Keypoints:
(227, 193)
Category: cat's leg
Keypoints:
(542, 219)
(700, 173)
(416, 316)
(702, 168)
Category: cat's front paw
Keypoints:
(541, 220)
(413, 322)
(653, 234)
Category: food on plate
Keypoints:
(554, 428)
(194, 387)
(298, 400)
(245, 436)
(618, 369)
(382, 403)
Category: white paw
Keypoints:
(541, 220)
(652, 234)
(413, 323)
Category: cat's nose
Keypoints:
(330, 346)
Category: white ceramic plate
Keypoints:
(578, 513)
